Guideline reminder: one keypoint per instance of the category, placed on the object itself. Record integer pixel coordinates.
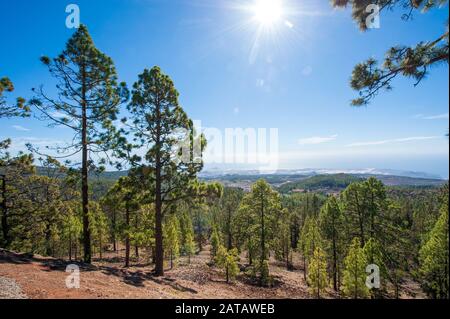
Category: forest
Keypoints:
(162, 213)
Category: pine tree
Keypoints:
(353, 204)
(310, 239)
(262, 209)
(189, 246)
(98, 224)
(317, 272)
(413, 62)
(156, 117)
(109, 203)
(72, 230)
(282, 241)
(331, 223)
(293, 204)
(371, 215)
(264, 270)
(227, 260)
(434, 258)
(142, 228)
(366, 208)
(125, 193)
(87, 102)
(6, 110)
(374, 255)
(354, 274)
(216, 242)
(172, 239)
(15, 175)
(229, 204)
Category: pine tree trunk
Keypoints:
(48, 234)
(84, 174)
(159, 266)
(287, 256)
(356, 280)
(5, 224)
(101, 247)
(136, 247)
(230, 244)
(159, 249)
(153, 255)
(113, 235)
(397, 290)
(361, 221)
(263, 244)
(446, 290)
(339, 280)
(127, 238)
(70, 247)
(199, 235)
(304, 267)
(318, 281)
(335, 285)
(372, 218)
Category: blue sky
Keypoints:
(296, 80)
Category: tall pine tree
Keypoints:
(161, 126)
(354, 278)
(331, 221)
(87, 102)
(434, 258)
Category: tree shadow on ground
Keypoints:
(138, 278)
(172, 283)
(8, 257)
(134, 278)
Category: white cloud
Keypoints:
(289, 24)
(397, 140)
(57, 114)
(443, 116)
(317, 140)
(44, 141)
(20, 128)
(19, 143)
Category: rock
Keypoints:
(9, 289)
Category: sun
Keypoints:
(267, 12)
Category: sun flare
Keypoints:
(267, 12)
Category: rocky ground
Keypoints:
(9, 289)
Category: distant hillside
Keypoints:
(108, 175)
(285, 182)
(111, 175)
(332, 181)
(392, 180)
(306, 172)
(337, 182)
